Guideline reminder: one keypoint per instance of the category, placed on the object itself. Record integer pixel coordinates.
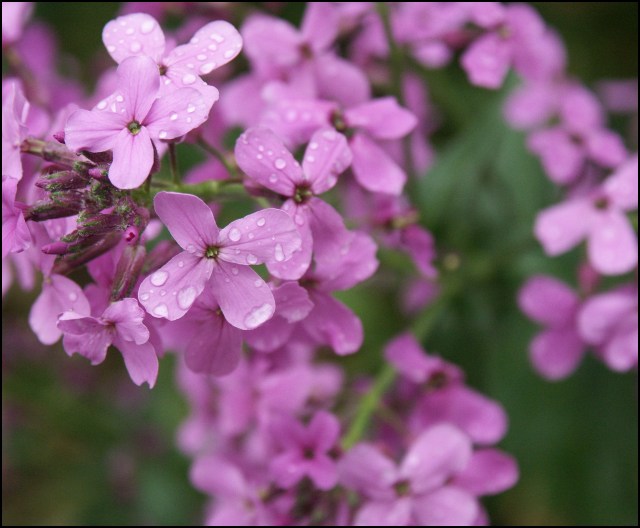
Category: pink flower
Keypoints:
(221, 256)
(120, 325)
(14, 17)
(305, 451)
(556, 351)
(419, 491)
(600, 218)
(609, 321)
(15, 233)
(139, 34)
(263, 157)
(137, 119)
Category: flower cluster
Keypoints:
(313, 188)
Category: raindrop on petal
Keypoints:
(159, 278)
(161, 310)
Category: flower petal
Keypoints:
(263, 157)
(548, 301)
(136, 34)
(389, 513)
(244, 298)
(141, 361)
(212, 46)
(340, 80)
(613, 243)
(326, 157)
(365, 470)
(177, 113)
(132, 159)
(139, 80)
(382, 118)
(448, 506)
(563, 226)
(489, 472)
(487, 61)
(170, 291)
(215, 348)
(189, 220)
(93, 131)
(269, 235)
(374, 169)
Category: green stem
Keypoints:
(173, 164)
(231, 167)
(370, 403)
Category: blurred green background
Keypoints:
(83, 445)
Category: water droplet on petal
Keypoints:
(258, 283)
(119, 98)
(313, 145)
(201, 57)
(191, 108)
(251, 236)
(234, 235)
(136, 47)
(279, 253)
(258, 315)
(162, 134)
(130, 31)
(259, 156)
(159, 278)
(147, 26)
(218, 38)
(161, 310)
(186, 296)
(181, 264)
(101, 105)
(329, 135)
(212, 47)
(280, 163)
(144, 296)
(311, 159)
(228, 54)
(191, 248)
(252, 259)
(73, 296)
(235, 271)
(163, 293)
(261, 221)
(273, 178)
(207, 68)
(299, 219)
(111, 49)
(189, 78)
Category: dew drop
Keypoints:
(120, 98)
(234, 235)
(191, 248)
(163, 293)
(189, 78)
(186, 296)
(252, 259)
(235, 271)
(313, 145)
(147, 26)
(258, 315)
(279, 253)
(161, 310)
(181, 264)
(130, 31)
(201, 57)
(136, 47)
(273, 178)
(259, 156)
(251, 236)
(280, 163)
(144, 296)
(102, 105)
(212, 47)
(218, 38)
(159, 278)
(111, 49)
(329, 135)
(73, 296)
(261, 222)
(174, 116)
(228, 54)
(261, 148)
(299, 219)
(162, 134)
(207, 68)
(191, 108)
(311, 159)
(258, 283)
(227, 280)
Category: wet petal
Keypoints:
(374, 169)
(382, 118)
(136, 34)
(141, 361)
(177, 113)
(93, 131)
(215, 348)
(548, 301)
(327, 156)
(613, 243)
(132, 159)
(563, 226)
(556, 353)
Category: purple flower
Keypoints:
(305, 451)
(609, 322)
(15, 109)
(14, 16)
(600, 217)
(220, 256)
(120, 325)
(15, 233)
(263, 157)
(419, 490)
(211, 47)
(138, 118)
(557, 351)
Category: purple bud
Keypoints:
(62, 181)
(84, 252)
(127, 271)
(98, 174)
(60, 206)
(131, 235)
(56, 248)
(59, 136)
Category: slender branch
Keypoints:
(231, 167)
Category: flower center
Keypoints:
(162, 69)
(212, 252)
(302, 194)
(402, 488)
(134, 127)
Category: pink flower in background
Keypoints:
(140, 119)
(304, 451)
(600, 217)
(419, 491)
(14, 17)
(120, 325)
(15, 233)
(222, 256)
(557, 351)
(609, 322)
